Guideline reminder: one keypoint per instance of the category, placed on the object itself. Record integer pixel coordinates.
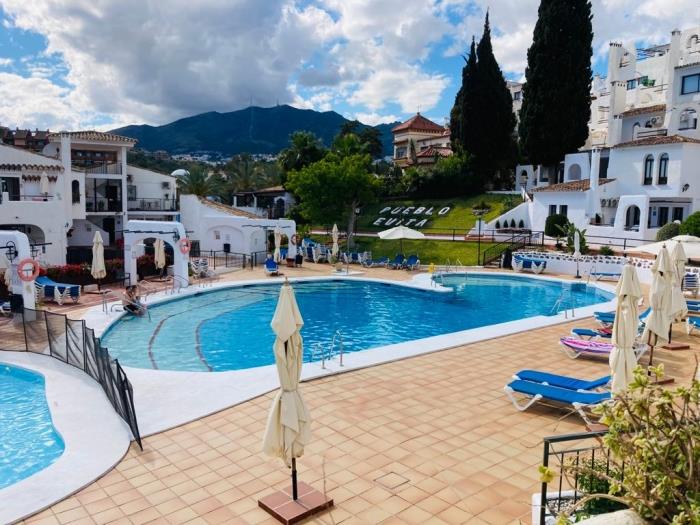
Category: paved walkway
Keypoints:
(427, 440)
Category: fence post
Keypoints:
(543, 495)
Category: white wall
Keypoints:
(149, 184)
(25, 289)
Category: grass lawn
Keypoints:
(428, 251)
(460, 216)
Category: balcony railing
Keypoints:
(29, 198)
(645, 133)
(152, 205)
(94, 203)
(111, 168)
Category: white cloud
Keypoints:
(372, 119)
(4, 62)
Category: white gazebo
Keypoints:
(170, 232)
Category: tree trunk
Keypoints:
(351, 224)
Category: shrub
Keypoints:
(606, 250)
(569, 231)
(668, 231)
(521, 223)
(80, 273)
(553, 225)
(691, 226)
(498, 225)
(654, 440)
(512, 223)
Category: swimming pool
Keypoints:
(229, 329)
(28, 440)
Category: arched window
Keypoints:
(632, 218)
(649, 170)
(663, 169)
(574, 172)
(523, 177)
(635, 129)
(688, 119)
(75, 190)
(692, 42)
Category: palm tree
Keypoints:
(196, 182)
(349, 144)
(304, 148)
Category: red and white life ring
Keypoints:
(22, 270)
(185, 245)
(293, 239)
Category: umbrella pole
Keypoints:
(295, 494)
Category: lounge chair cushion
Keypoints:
(49, 284)
(561, 395)
(570, 383)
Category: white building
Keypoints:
(222, 228)
(79, 184)
(638, 169)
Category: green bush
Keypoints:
(554, 224)
(498, 225)
(668, 231)
(521, 223)
(606, 250)
(653, 439)
(691, 226)
(512, 223)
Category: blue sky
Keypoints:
(69, 64)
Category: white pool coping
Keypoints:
(166, 399)
(95, 437)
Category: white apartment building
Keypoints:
(639, 168)
(80, 183)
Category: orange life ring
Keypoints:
(293, 240)
(22, 271)
(185, 245)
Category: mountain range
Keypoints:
(250, 130)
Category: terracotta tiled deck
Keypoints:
(427, 440)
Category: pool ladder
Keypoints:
(561, 305)
(327, 353)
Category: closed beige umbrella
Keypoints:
(159, 255)
(277, 256)
(658, 321)
(44, 184)
(624, 333)
(288, 428)
(678, 260)
(97, 269)
(334, 248)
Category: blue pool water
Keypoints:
(28, 440)
(230, 329)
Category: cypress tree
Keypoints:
(492, 143)
(556, 104)
(462, 121)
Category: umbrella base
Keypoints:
(676, 346)
(283, 508)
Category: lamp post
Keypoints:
(478, 213)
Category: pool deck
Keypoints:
(430, 439)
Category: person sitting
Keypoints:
(132, 302)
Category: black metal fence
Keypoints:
(515, 242)
(581, 459)
(221, 259)
(73, 343)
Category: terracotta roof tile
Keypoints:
(418, 123)
(97, 136)
(574, 185)
(228, 209)
(432, 151)
(654, 141)
(657, 108)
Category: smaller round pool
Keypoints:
(28, 440)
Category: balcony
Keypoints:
(97, 204)
(103, 168)
(643, 133)
(152, 205)
(27, 198)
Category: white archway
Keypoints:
(169, 232)
(17, 243)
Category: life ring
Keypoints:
(293, 239)
(22, 271)
(185, 245)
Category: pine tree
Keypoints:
(556, 105)
(490, 139)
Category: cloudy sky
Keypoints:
(69, 64)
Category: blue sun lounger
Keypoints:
(590, 333)
(609, 317)
(398, 262)
(692, 324)
(412, 263)
(271, 267)
(559, 381)
(49, 289)
(534, 392)
(373, 263)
